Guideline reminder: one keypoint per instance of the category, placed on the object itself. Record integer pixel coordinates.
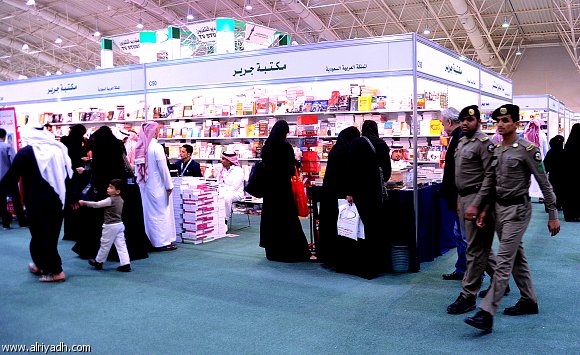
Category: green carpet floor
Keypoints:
(224, 297)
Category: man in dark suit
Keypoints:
(186, 166)
(451, 125)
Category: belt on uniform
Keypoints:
(512, 200)
(469, 190)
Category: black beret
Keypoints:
(507, 109)
(472, 110)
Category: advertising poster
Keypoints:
(8, 122)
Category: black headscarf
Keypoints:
(347, 135)
(277, 136)
(336, 176)
(557, 143)
(370, 129)
(108, 162)
(74, 144)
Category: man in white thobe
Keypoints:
(156, 186)
(231, 181)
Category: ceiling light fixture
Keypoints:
(78, 70)
(31, 3)
(189, 15)
(47, 74)
(505, 23)
(140, 24)
(518, 51)
(426, 31)
(58, 40)
(22, 77)
(25, 47)
(58, 72)
(249, 6)
(97, 33)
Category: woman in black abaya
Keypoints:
(108, 164)
(571, 203)
(555, 165)
(78, 156)
(281, 233)
(366, 190)
(334, 187)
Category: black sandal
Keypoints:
(166, 248)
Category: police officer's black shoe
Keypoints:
(483, 293)
(521, 308)
(481, 320)
(462, 305)
(453, 276)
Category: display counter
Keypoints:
(435, 232)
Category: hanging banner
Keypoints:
(8, 122)
(259, 34)
(129, 44)
(204, 31)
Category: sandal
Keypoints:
(34, 269)
(52, 278)
(166, 248)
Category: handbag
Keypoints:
(299, 194)
(257, 180)
(88, 193)
(384, 193)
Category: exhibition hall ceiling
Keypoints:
(58, 36)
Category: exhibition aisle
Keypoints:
(224, 297)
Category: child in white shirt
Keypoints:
(113, 227)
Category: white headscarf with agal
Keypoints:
(51, 156)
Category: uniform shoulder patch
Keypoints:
(530, 147)
(491, 147)
(483, 139)
(538, 156)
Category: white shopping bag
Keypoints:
(361, 229)
(348, 221)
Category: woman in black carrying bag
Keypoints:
(369, 169)
(281, 233)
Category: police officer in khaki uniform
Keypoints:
(513, 162)
(474, 181)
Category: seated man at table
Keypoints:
(231, 180)
(186, 166)
(398, 161)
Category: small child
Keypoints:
(113, 227)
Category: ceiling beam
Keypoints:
(387, 10)
(441, 25)
(281, 19)
(566, 27)
(355, 17)
(311, 19)
(40, 55)
(60, 21)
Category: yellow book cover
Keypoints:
(435, 127)
(239, 109)
(365, 103)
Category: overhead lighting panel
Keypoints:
(140, 24)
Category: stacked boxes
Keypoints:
(199, 212)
